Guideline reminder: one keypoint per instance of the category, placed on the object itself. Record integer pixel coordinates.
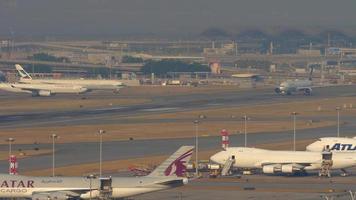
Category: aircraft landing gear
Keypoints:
(344, 173)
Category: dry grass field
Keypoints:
(264, 118)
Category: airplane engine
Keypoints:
(41, 197)
(277, 90)
(51, 196)
(287, 169)
(58, 196)
(308, 92)
(269, 169)
(44, 93)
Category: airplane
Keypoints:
(339, 144)
(272, 162)
(292, 86)
(166, 176)
(85, 83)
(43, 90)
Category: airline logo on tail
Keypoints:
(176, 164)
(179, 166)
(23, 74)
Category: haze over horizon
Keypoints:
(170, 17)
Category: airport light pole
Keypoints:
(91, 177)
(54, 137)
(294, 114)
(338, 108)
(10, 141)
(101, 133)
(245, 118)
(196, 123)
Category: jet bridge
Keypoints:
(105, 187)
(326, 162)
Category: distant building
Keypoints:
(226, 49)
(272, 68)
(341, 51)
(215, 67)
(308, 52)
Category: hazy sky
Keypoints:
(169, 17)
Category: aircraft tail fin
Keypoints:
(23, 74)
(176, 164)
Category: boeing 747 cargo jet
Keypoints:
(271, 162)
(168, 175)
(85, 83)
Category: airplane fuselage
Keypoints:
(259, 158)
(293, 86)
(86, 83)
(25, 186)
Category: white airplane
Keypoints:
(293, 86)
(42, 89)
(168, 175)
(271, 162)
(338, 144)
(85, 83)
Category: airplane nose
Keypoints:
(312, 147)
(214, 159)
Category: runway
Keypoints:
(163, 104)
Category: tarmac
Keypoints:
(248, 187)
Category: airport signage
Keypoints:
(17, 184)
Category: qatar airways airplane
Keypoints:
(168, 175)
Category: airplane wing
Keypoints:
(35, 91)
(60, 195)
(173, 183)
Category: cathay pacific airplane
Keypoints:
(42, 90)
(168, 175)
(85, 83)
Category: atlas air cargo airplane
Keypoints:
(271, 162)
(85, 83)
(168, 175)
(338, 144)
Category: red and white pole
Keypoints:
(13, 165)
(224, 139)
